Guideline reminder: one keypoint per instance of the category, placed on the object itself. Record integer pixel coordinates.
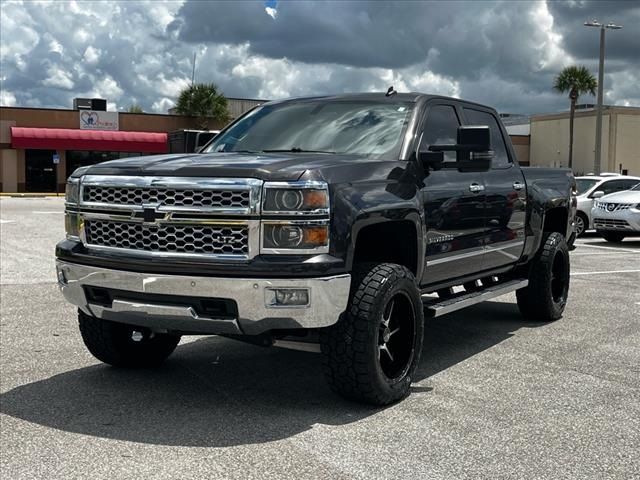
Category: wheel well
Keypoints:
(393, 242)
(555, 220)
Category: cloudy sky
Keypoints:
(501, 53)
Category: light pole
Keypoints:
(598, 151)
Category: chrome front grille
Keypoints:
(171, 216)
(613, 207)
(166, 197)
(172, 239)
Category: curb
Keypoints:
(31, 195)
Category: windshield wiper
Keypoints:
(296, 150)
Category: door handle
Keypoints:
(476, 187)
(518, 186)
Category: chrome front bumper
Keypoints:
(328, 299)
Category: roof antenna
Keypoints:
(390, 92)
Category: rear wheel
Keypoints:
(371, 354)
(581, 224)
(545, 298)
(123, 345)
(614, 237)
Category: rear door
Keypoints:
(506, 196)
(453, 203)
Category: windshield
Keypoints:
(636, 188)
(347, 127)
(584, 184)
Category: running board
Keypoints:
(437, 307)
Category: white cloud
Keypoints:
(272, 12)
(19, 35)
(549, 43)
(92, 55)
(162, 105)
(55, 46)
(7, 98)
(58, 78)
(108, 88)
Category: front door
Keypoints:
(506, 198)
(454, 204)
(40, 174)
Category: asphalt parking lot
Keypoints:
(495, 396)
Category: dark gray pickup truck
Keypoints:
(331, 224)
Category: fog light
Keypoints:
(287, 297)
(72, 224)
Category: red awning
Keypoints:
(72, 139)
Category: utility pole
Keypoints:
(598, 150)
(193, 72)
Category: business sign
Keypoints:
(95, 120)
(56, 159)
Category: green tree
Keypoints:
(203, 100)
(135, 108)
(577, 81)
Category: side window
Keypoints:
(613, 186)
(476, 117)
(440, 128)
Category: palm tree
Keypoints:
(577, 81)
(203, 100)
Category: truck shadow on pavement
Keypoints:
(216, 392)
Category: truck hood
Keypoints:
(269, 166)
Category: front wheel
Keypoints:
(613, 237)
(371, 354)
(545, 298)
(581, 224)
(123, 345)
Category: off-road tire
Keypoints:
(112, 343)
(545, 298)
(613, 237)
(351, 348)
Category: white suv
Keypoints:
(617, 215)
(591, 187)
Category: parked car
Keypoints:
(617, 215)
(326, 224)
(590, 187)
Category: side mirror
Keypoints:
(597, 194)
(473, 148)
(476, 153)
(431, 160)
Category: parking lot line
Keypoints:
(593, 254)
(628, 250)
(604, 272)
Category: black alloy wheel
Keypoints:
(396, 335)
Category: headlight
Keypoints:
(72, 191)
(295, 237)
(295, 198)
(72, 220)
